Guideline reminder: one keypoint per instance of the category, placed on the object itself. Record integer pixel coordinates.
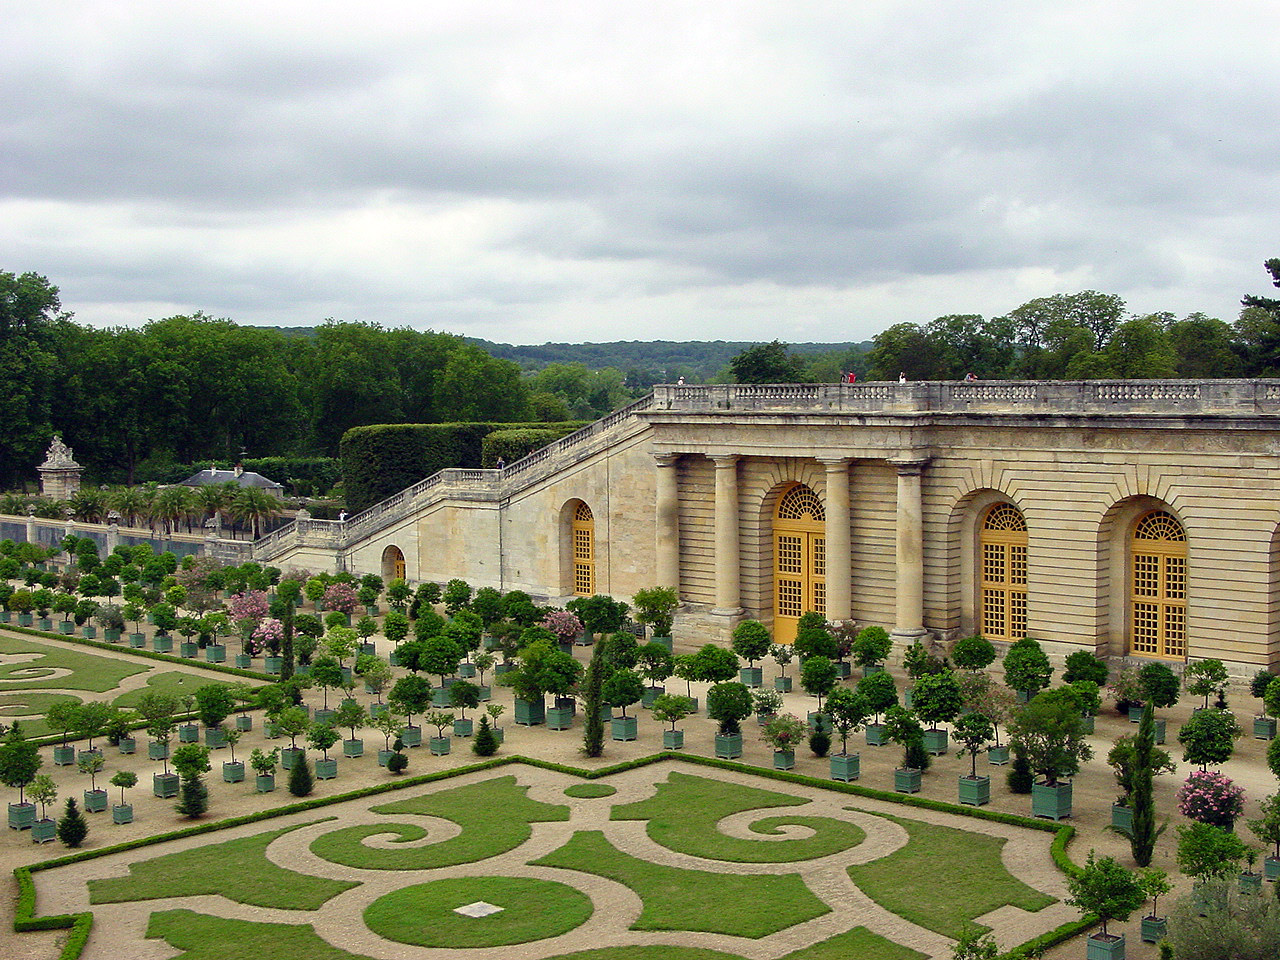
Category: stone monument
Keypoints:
(59, 474)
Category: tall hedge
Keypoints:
(383, 459)
(511, 445)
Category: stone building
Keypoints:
(1123, 517)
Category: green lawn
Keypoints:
(237, 869)
(423, 915)
(943, 878)
(20, 704)
(683, 815)
(494, 816)
(696, 900)
(173, 682)
(88, 671)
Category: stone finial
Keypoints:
(59, 455)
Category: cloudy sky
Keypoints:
(551, 170)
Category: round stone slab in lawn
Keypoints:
(426, 914)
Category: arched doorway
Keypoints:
(1158, 587)
(584, 551)
(1002, 590)
(392, 564)
(799, 559)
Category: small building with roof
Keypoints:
(239, 476)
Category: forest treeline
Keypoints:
(187, 389)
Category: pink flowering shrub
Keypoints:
(565, 625)
(248, 609)
(270, 632)
(340, 597)
(1212, 798)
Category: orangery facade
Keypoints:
(1131, 518)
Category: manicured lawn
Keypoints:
(494, 816)
(943, 878)
(88, 671)
(588, 791)
(32, 704)
(683, 815)
(695, 900)
(423, 914)
(172, 682)
(237, 869)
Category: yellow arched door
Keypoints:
(392, 564)
(1002, 543)
(1158, 587)
(584, 551)
(799, 560)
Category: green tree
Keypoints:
(20, 761)
(1106, 890)
(751, 641)
(72, 828)
(191, 761)
(848, 710)
(592, 700)
(1209, 737)
(769, 362)
(1145, 833)
(301, 779)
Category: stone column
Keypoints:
(113, 534)
(728, 588)
(667, 525)
(910, 551)
(839, 548)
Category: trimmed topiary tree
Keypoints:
(973, 653)
(72, 828)
(1209, 736)
(301, 779)
(1027, 668)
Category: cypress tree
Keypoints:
(1142, 801)
(592, 700)
(485, 743)
(301, 782)
(71, 828)
(1019, 777)
(193, 799)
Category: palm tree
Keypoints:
(89, 504)
(171, 506)
(254, 505)
(129, 502)
(214, 498)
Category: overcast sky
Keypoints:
(548, 170)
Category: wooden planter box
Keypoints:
(21, 816)
(751, 676)
(728, 746)
(820, 723)
(463, 727)
(289, 756)
(122, 813)
(326, 769)
(264, 782)
(25, 619)
(112, 634)
(906, 780)
(623, 728)
(1264, 728)
(137, 640)
(907, 695)
(215, 738)
(377, 709)
(269, 730)
(1271, 868)
(162, 643)
(1053, 803)
(244, 723)
(244, 661)
(872, 668)
(188, 733)
(997, 756)
(782, 684)
(844, 669)
(45, 624)
(557, 718)
(215, 654)
(88, 632)
(665, 642)
(1122, 819)
(353, 748)
(273, 665)
(66, 627)
(1112, 948)
(384, 756)
(1250, 883)
(411, 736)
(158, 750)
(441, 697)
(846, 767)
(127, 745)
(875, 735)
(324, 715)
(1154, 929)
(42, 831)
(95, 801)
(530, 713)
(935, 741)
(232, 771)
(975, 791)
(64, 756)
(672, 739)
(651, 694)
(188, 649)
(784, 759)
(466, 670)
(440, 746)
(1087, 723)
(164, 785)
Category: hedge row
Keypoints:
(512, 445)
(301, 476)
(383, 459)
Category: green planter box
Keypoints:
(64, 756)
(244, 723)
(1111, 948)
(1160, 730)
(264, 783)
(1052, 803)
(188, 733)
(440, 746)
(112, 634)
(66, 627)
(326, 769)
(665, 642)
(4, 616)
(844, 669)
(751, 676)
(975, 791)
(137, 640)
(907, 696)
(232, 772)
(872, 668)
(377, 709)
(486, 693)
(1154, 929)
(463, 727)
(95, 801)
(353, 748)
(243, 661)
(21, 816)
(466, 670)
(875, 735)
(623, 728)
(215, 738)
(906, 780)
(651, 694)
(42, 831)
(782, 684)
(122, 813)
(269, 730)
(158, 750)
(846, 767)
(1271, 868)
(440, 697)
(45, 624)
(728, 746)
(273, 665)
(997, 756)
(1087, 723)
(164, 785)
(1122, 819)
(324, 716)
(1250, 883)
(411, 736)
(1023, 696)
(935, 741)
(672, 739)
(127, 745)
(558, 718)
(384, 756)
(289, 756)
(215, 654)
(88, 632)
(784, 759)
(504, 667)
(1264, 728)
(162, 643)
(369, 648)
(188, 649)
(530, 713)
(25, 620)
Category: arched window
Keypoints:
(1002, 546)
(584, 551)
(1158, 587)
(392, 564)
(799, 559)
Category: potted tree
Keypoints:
(1209, 736)
(20, 761)
(655, 607)
(44, 792)
(1206, 678)
(566, 627)
(1267, 829)
(1211, 797)
(871, 649)
(91, 719)
(158, 710)
(621, 689)
(62, 717)
(1123, 760)
(484, 662)
(292, 722)
(410, 695)
(902, 728)
(111, 619)
(166, 619)
(543, 669)
(352, 716)
(672, 708)
(1109, 892)
(321, 736)
(1206, 853)
(264, 768)
(214, 703)
(995, 701)
(818, 677)
(655, 664)
(1049, 733)
(388, 723)
(1090, 702)
(95, 800)
(134, 613)
(975, 731)
(751, 642)
(495, 710)
(441, 744)
(189, 732)
(767, 703)
(782, 654)
(783, 732)
(1264, 725)
(881, 694)
(1026, 668)
(976, 653)
(326, 673)
(1155, 884)
(937, 700)
(233, 769)
(1160, 687)
(122, 812)
(848, 710)
(729, 703)
(191, 761)
(376, 674)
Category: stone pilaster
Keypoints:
(728, 565)
(910, 550)
(838, 545)
(667, 526)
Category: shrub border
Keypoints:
(82, 923)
